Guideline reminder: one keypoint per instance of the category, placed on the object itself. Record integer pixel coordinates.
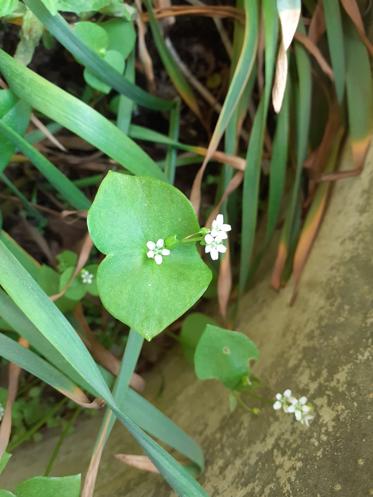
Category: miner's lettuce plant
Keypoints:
(128, 213)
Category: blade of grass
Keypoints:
(334, 31)
(50, 323)
(303, 111)
(60, 29)
(241, 76)
(359, 95)
(77, 116)
(170, 163)
(61, 183)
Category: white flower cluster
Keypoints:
(86, 276)
(290, 404)
(214, 239)
(2, 411)
(157, 251)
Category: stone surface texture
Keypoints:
(320, 347)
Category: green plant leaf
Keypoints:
(80, 6)
(224, 355)
(92, 35)
(16, 115)
(42, 486)
(191, 331)
(75, 115)
(60, 29)
(78, 289)
(334, 31)
(4, 459)
(51, 5)
(121, 35)
(66, 259)
(50, 323)
(6, 493)
(127, 213)
(7, 7)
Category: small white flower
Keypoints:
(2, 411)
(214, 246)
(157, 251)
(219, 229)
(87, 277)
(290, 404)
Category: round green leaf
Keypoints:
(42, 486)
(191, 331)
(116, 60)
(93, 35)
(224, 355)
(127, 213)
(122, 36)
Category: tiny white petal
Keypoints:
(209, 238)
(214, 254)
(165, 252)
(158, 259)
(226, 227)
(220, 219)
(160, 243)
(306, 409)
(298, 415)
(287, 393)
(208, 249)
(150, 245)
(303, 400)
(277, 405)
(278, 396)
(150, 254)
(222, 248)
(290, 409)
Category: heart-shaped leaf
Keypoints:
(224, 355)
(191, 331)
(127, 213)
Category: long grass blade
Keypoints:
(334, 31)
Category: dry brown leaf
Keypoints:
(317, 25)
(289, 20)
(279, 84)
(47, 133)
(144, 56)
(138, 462)
(14, 373)
(352, 9)
(225, 282)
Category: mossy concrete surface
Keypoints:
(320, 347)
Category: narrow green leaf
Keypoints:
(334, 31)
(62, 184)
(359, 94)
(50, 322)
(60, 29)
(16, 115)
(75, 115)
(241, 74)
(31, 362)
(4, 459)
(170, 165)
